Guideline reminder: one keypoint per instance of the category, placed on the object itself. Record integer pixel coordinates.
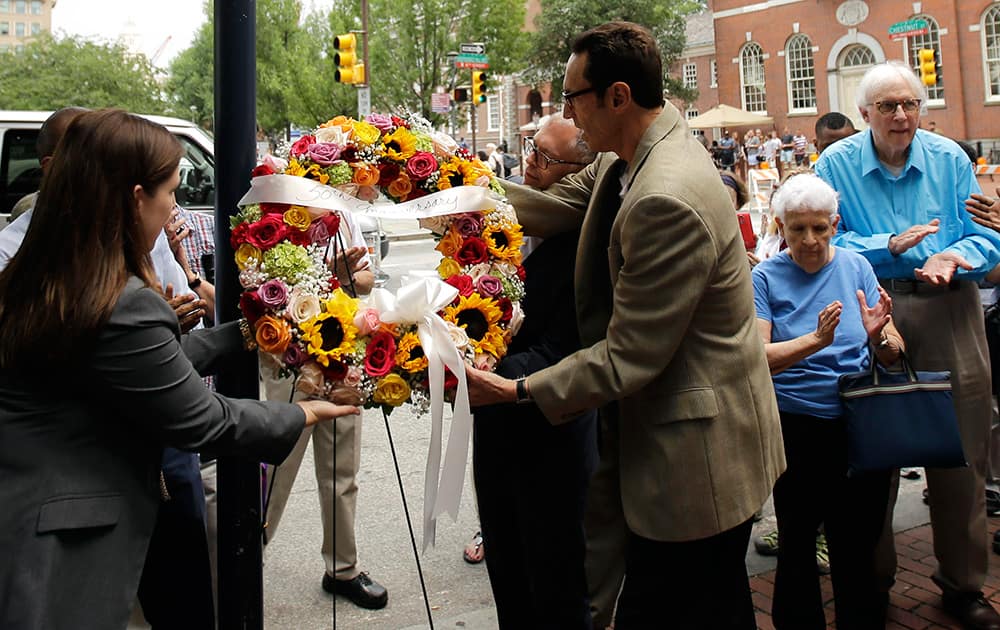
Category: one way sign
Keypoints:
(473, 48)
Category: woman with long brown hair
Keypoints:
(94, 382)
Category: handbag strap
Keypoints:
(904, 361)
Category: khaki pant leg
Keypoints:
(337, 479)
(283, 476)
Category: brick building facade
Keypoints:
(798, 59)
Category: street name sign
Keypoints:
(474, 61)
(908, 28)
(473, 48)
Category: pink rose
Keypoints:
(367, 321)
(294, 355)
(277, 164)
(489, 286)
(383, 122)
(324, 153)
(317, 232)
(421, 165)
(470, 224)
(301, 146)
(354, 376)
(273, 293)
(367, 193)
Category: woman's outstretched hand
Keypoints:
(322, 411)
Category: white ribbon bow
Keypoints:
(418, 302)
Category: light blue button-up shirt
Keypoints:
(876, 205)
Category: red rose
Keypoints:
(335, 372)
(399, 122)
(506, 309)
(521, 274)
(462, 282)
(350, 154)
(273, 208)
(239, 235)
(416, 193)
(332, 222)
(387, 173)
(472, 252)
(421, 165)
(251, 306)
(334, 283)
(380, 354)
(297, 236)
(267, 232)
(301, 146)
(261, 169)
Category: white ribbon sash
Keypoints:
(307, 192)
(418, 302)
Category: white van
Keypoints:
(20, 172)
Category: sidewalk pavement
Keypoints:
(914, 602)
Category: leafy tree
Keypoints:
(560, 21)
(191, 85)
(410, 42)
(50, 73)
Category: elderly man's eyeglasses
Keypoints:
(543, 160)
(569, 96)
(909, 106)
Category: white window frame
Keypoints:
(690, 75)
(20, 29)
(36, 7)
(991, 29)
(935, 95)
(755, 74)
(21, 4)
(493, 106)
(4, 6)
(714, 69)
(800, 80)
(4, 28)
(36, 29)
(690, 113)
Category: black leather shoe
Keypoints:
(362, 590)
(972, 610)
(996, 542)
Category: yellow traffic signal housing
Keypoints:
(478, 87)
(927, 66)
(346, 58)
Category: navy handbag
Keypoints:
(900, 419)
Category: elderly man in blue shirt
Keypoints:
(902, 206)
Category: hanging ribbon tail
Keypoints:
(449, 495)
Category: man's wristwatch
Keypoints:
(195, 283)
(521, 390)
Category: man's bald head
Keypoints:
(557, 138)
(52, 131)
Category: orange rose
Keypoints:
(340, 121)
(365, 175)
(273, 335)
(400, 187)
(450, 243)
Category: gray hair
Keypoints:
(878, 75)
(581, 151)
(804, 193)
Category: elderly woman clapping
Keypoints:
(813, 315)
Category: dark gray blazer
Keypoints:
(80, 454)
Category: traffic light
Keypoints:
(460, 95)
(346, 58)
(478, 87)
(927, 60)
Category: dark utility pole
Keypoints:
(240, 577)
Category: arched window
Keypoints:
(858, 56)
(931, 39)
(752, 78)
(991, 51)
(801, 74)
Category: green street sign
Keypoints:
(467, 58)
(907, 28)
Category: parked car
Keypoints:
(20, 173)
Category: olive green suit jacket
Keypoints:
(664, 302)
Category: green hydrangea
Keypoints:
(513, 288)
(339, 174)
(424, 143)
(247, 214)
(286, 261)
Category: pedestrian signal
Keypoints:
(460, 95)
(927, 59)
(346, 59)
(478, 87)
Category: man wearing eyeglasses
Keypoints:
(672, 357)
(902, 206)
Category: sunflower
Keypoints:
(480, 318)
(451, 175)
(410, 354)
(473, 170)
(400, 144)
(504, 241)
(331, 334)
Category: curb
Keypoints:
(409, 236)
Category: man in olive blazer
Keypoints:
(664, 303)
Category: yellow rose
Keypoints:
(365, 175)
(366, 133)
(245, 253)
(448, 268)
(391, 390)
(273, 334)
(296, 169)
(297, 217)
(401, 186)
(450, 243)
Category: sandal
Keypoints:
(474, 552)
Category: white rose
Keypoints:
(458, 336)
(485, 362)
(310, 381)
(435, 224)
(302, 306)
(444, 145)
(333, 134)
(516, 319)
(478, 270)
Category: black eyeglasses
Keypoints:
(569, 96)
(543, 160)
(909, 106)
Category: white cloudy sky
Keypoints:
(147, 22)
